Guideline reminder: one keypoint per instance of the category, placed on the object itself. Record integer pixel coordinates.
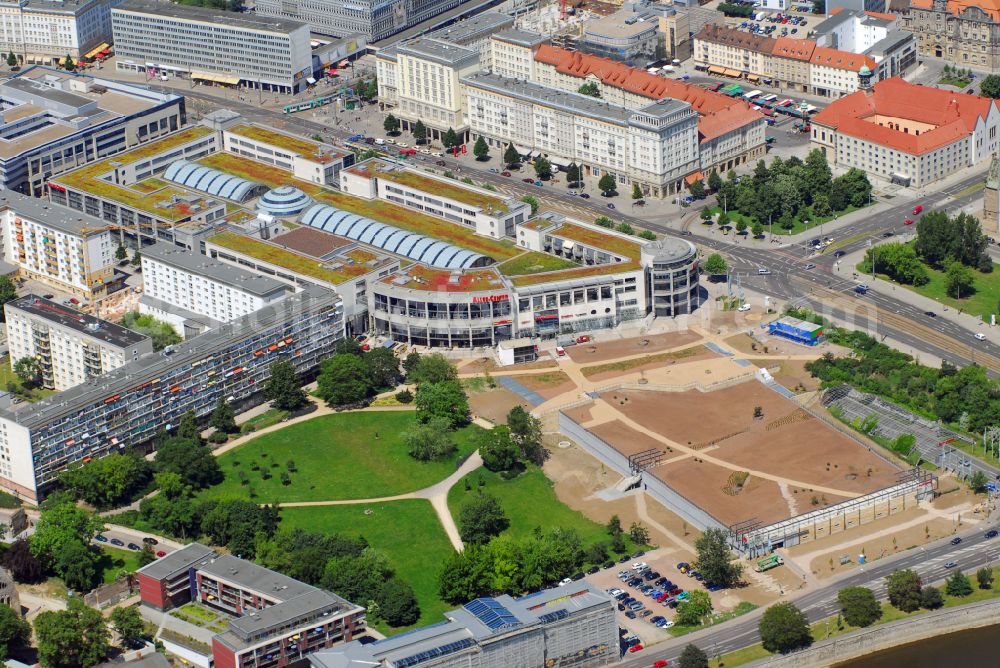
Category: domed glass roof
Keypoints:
(284, 201)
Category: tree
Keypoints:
(714, 182)
(638, 533)
(8, 291)
(757, 230)
(498, 451)
(26, 370)
(430, 441)
(984, 576)
(694, 608)
(60, 525)
(410, 363)
(146, 555)
(11, 60)
(590, 88)
(606, 184)
(121, 253)
(978, 482)
(128, 624)
(714, 559)
(397, 604)
(572, 174)
(69, 63)
(859, 606)
(693, 657)
(383, 368)
(531, 201)
(697, 189)
(958, 280)
(526, 433)
(239, 525)
(604, 221)
(741, 226)
(990, 87)
(446, 400)
(370, 89)
(223, 418)
(14, 631)
(716, 265)
(543, 168)
(390, 124)
(23, 565)
(419, 131)
(136, 259)
(648, 235)
(931, 598)
(614, 526)
(783, 628)
(481, 149)
(481, 518)
(450, 139)
(903, 588)
(357, 578)
(283, 387)
(706, 215)
(190, 460)
(636, 191)
(625, 228)
(510, 155)
(431, 368)
(109, 480)
(819, 6)
(958, 584)
(76, 636)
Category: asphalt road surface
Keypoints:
(929, 561)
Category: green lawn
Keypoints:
(7, 377)
(344, 456)
(529, 501)
(957, 82)
(982, 302)
(114, 561)
(533, 263)
(408, 532)
(736, 216)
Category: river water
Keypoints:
(976, 648)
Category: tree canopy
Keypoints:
(445, 400)
(903, 588)
(859, 606)
(715, 560)
(109, 480)
(77, 636)
(481, 518)
(283, 387)
(783, 628)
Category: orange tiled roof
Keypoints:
(957, 7)
(735, 112)
(796, 49)
(881, 15)
(844, 60)
(954, 115)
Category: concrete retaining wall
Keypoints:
(901, 632)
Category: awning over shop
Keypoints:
(691, 178)
(560, 162)
(217, 78)
(753, 77)
(715, 69)
(733, 73)
(96, 50)
(310, 81)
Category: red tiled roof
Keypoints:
(844, 60)
(956, 7)
(881, 15)
(796, 49)
(736, 112)
(954, 115)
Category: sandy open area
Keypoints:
(548, 384)
(495, 404)
(792, 374)
(600, 351)
(647, 363)
(481, 364)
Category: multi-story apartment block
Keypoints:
(655, 147)
(513, 53)
(46, 31)
(129, 405)
(476, 32)
(732, 49)
(52, 121)
(70, 251)
(209, 45)
(566, 626)
(70, 347)
(908, 134)
(485, 212)
(833, 72)
(375, 19)
(964, 33)
(177, 282)
(275, 619)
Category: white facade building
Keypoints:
(429, 84)
(513, 53)
(69, 346)
(46, 31)
(316, 162)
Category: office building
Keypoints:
(71, 347)
(177, 282)
(571, 625)
(52, 121)
(129, 405)
(623, 36)
(963, 33)
(906, 133)
(44, 32)
(273, 619)
(212, 46)
(69, 250)
(375, 19)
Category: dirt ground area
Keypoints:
(648, 363)
(549, 384)
(960, 496)
(792, 374)
(483, 364)
(495, 404)
(628, 441)
(607, 350)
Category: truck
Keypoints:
(769, 562)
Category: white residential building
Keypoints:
(655, 147)
(513, 53)
(429, 89)
(69, 250)
(46, 31)
(179, 282)
(69, 346)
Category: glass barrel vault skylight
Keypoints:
(212, 181)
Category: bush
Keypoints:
(404, 396)
(218, 437)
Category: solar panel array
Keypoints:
(553, 616)
(434, 653)
(492, 613)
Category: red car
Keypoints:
(528, 180)
(583, 338)
(504, 173)
(661, 664)
(908, 221)
(161, 554)
(408, 151)
(636, 648)
(917, 209)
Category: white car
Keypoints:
(565, 581)
(980, 336)
(640, 566)
(744, 308)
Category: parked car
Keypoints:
(101, 538)
(133, 547)
(609, 564)
(584, 195)
(161, 554)
(635, 648)
(565, 581)
(504, 173)
(630, 614)
(149, 540)
(528, 180)
(440, 163)
(956, 540)
(683, 566)
(593, 569)
(583, 338)
(992, 533)
(117, 543)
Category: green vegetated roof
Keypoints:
(294, 262)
